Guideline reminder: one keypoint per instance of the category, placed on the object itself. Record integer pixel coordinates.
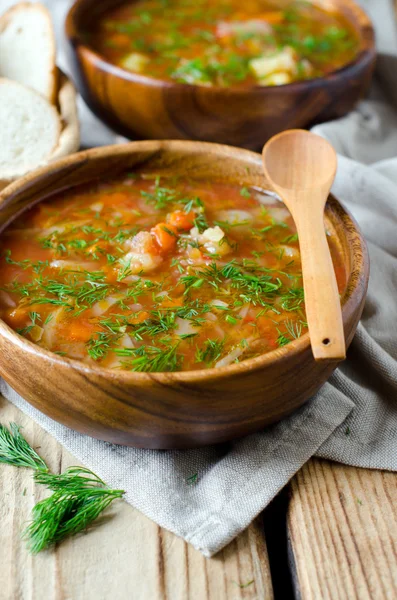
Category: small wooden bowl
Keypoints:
(141, 107)
(172, 410)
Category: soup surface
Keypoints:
(151, 274)
(225, 42)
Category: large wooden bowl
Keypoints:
(141, 107)
(172, 410)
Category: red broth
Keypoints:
(150, 274)
(225, 42)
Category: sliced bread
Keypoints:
(29, 129)
(27, 48)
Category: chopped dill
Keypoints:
(245, 192)
(210, 352)
(151, 358)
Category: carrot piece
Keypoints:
(79, 331)
(181, 220)
(17, 317)
(139, 318)
(172, 302)
(120, 39)
(273, 17)
(165, 235)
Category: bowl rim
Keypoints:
(358, 277)
(366, 52)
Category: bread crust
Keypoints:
(69, 140)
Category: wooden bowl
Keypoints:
(141, 107)
(184, 409)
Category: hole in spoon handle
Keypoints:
(330, 349)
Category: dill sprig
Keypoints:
(150, 359)
(210, 352)
(15, 450)
(79, 496)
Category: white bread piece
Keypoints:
(29, 129)
(27, 48)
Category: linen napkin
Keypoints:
(353, 419)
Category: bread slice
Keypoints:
(27, 48)
(29, 129)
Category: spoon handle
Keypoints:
(323, 308)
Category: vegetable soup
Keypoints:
(225, 42)
(156, 274)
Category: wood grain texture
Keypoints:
(301, 167)
(125, 556)
(182, 409)
(343, 532)
(141, 107)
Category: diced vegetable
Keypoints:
(284, 61)
(134, 62)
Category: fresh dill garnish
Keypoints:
(151, 358)
(99, 346)
(79, 290)
(126, 269)
(293, 331)
(157, 323)
(161, 197)
(292, 300)
(290, 238)
(245, 192)
(37, 266)
(15, 450)
(232, 320)
(211, 351)
(79, 496)
(190, 203)
(191, 281)
(201, 223)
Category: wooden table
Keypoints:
(332, 535)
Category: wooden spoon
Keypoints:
(301, 167)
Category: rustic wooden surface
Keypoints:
(343, 532)
(126, 557)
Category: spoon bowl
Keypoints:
(312, 152)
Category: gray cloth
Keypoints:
(353, 419)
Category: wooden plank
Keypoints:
(343, 532)
(127, 556)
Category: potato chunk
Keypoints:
(135, 62)
(284, 62)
